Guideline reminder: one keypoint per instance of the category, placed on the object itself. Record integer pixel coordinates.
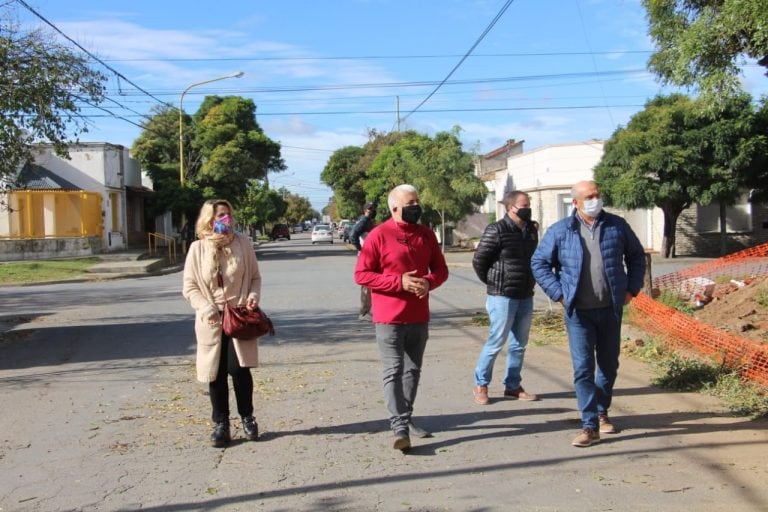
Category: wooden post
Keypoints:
(648, 278)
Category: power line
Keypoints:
(422, 83)
(461, 61)
(379, 57)
(437, 110)
(65, 36)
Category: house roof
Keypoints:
(36, 177)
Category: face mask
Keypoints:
(222, 225)
(524, 214)
(592, 207)
(411, 213)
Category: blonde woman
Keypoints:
(221, 267)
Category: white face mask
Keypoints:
(592, 207)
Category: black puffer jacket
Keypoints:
(503, 258)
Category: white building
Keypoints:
(547, 174)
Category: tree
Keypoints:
(43, 86)
(344, 174)
(231, 146)
(298, 208)
(702, 42)
(157, 149)
(260, 205)
(674, 153)
(438, 167)
(224, 150)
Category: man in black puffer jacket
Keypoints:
(503, 262)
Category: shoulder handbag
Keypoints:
(243, 323)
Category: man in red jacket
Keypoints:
(401, 262)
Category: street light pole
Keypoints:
(181, 118)
(181, 143)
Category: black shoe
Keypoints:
(417, 431)
(402, 441)
(250, 428)
(220, 436)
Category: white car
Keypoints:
(322, 233)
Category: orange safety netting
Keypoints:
(749, 356)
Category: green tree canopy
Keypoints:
(438, 167)
(298, 208)
(43, 86)
(224, 150)
(260, 205)
(673, 153)
(344, 174)
(701, 43)
(231, 146)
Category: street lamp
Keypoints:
(181, 118)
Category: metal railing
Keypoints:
(154, 238)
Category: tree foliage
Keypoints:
(224, 151)
(43, 86)
(438, 167)
(232, 147)
(701, 43)
(297, 209)
(673, 154)
(260, 205)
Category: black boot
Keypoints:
(250, 428)
(220, 436)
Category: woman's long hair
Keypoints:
(204, 224)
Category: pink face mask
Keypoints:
(223, 225)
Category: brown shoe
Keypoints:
(481, 395)
(606, 427)
(402, 441)
(588, 437)
(520, 394)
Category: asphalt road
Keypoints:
(101, 411)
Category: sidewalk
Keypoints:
(325, 443)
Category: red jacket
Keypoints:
(390, 250)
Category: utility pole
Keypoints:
(398, 112)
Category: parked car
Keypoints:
(298, 228)
(280, 231)
(322, 233)
(343, 225)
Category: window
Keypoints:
(738, 217)
(564, 206)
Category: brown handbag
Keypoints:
(243, 323)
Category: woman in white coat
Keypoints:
(221, 267)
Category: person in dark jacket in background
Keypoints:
(503, 262)
(581, 264)
(357, 237)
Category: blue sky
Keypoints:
(324, 73)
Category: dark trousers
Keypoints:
(241, 380)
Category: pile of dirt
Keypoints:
(739, 307)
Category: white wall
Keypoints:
(98, 167)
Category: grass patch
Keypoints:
(480, 319)
(762, 298)
(47, 270)
(676, 301)
(547, 327)
(680, 372)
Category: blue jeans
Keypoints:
(510, 320)
(402, 349)
(594, 335)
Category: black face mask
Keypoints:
(411, 213)
(524, 214)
